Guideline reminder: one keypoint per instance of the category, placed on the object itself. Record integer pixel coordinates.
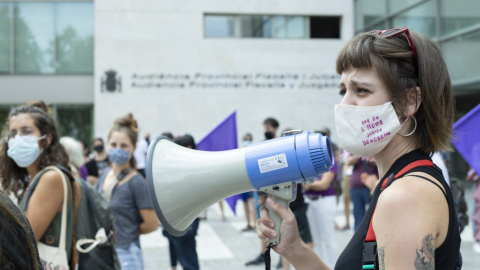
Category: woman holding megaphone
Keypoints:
(396, 107)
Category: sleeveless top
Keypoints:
(445, 255)
(51, 236)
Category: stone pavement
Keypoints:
(221, 245)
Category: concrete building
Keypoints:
(184, 66)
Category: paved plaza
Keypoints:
(222, 245)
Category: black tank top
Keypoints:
(445, 255)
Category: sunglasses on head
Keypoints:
(395, 32)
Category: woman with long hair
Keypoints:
(125, 188)
(31, 144)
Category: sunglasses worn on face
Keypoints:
(395, 32)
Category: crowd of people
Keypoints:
(403, 210)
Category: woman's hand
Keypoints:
(289, 237)
(291, 245)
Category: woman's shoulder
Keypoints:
(411, 202)
(50, 178)
(413, 190)
(138, 179)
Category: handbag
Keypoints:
(56, 257)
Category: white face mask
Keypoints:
(365, 130)
(24, 150)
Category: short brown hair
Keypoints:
(397, 67)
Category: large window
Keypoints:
(34, 38)
(325, 27)
(368, 12)
(290, 27)
(47, 37)
(74, 31)
(267, 26)
(462, 58)
(255, 26)
(219, 26)
(5, 40)
(420, 19)
(457, 16)
(395, 5)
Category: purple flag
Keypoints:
(221, 138)
(466, 137)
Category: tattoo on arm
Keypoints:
(425, 259)
(381, 257)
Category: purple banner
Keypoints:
(222, 138)
(466, 137)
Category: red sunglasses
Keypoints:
(395, 32)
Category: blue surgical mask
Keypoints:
(24, 150)
(246, 143)
(118, 156)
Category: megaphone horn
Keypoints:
(183, 182)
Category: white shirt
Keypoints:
(438, 160)
(140, 153)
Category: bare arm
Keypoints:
(291, 245)
(150, 221)
(45, 203)
(411, 220)
(92, 179)
(322, 184)
(351, 160)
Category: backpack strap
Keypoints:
(370, 258)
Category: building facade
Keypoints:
(183, 68)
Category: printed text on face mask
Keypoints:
(372, 127)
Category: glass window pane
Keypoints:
(290, 27)
(219, 26)
(5, 24)
(324, 27)
(396, 5)
(296, 27)
(420, 19)
(255, 26)
(457, 15)
(75, 121)
(34, 37)
(74, 31)
(367, 12)
(280, 26)
(462, 58)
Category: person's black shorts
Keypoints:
(302, 223)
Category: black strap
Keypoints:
(443, 191)
(268, 261)
(123, 173)
(99, 260)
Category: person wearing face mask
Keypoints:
(397, 107)
(99, 161)
(28, 151)
(125, 189)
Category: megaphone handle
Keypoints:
(283, 193)
(277, 220)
